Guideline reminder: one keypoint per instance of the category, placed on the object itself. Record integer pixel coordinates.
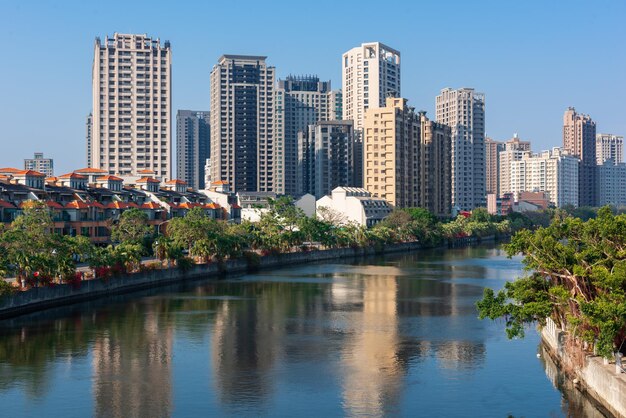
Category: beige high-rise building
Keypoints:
(407, 157)
(391, 143)
(609, 147)
(132, 101)
(579, 140)
(464, 111)
(242, 98)
(492, 165)
(370, 73)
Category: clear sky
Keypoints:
(531, 58)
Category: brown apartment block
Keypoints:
(407, 158)
(579, 140)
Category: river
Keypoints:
(387, 336)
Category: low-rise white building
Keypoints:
(353, 205)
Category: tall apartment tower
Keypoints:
(132, 96)
(41, 164)
(609, 147)
(335, 104)
(492, 165)
(579, 139)
(435, 167)
(299, 101)
(242, 97)
(88, 136)
(370, 74)
(193, 136)
(464, 111)
(326, 157)
(391, 149)
(514, 150)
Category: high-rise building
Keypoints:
(464, 111)
(325, 157)
(298, 103)
(435, 167)
(335, 105)
(40, 164)
(88, 127)
(554, 171)
(514, 150)
(132, 94)
(492, 165)
(193, 137)
(579, 139)
(609, 147)
(242, 97)
(391, 146)
(611, 184)
(370, 74)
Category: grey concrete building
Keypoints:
(193, 137)
(299, 101)
(464, 111)
(326, 157)
(242, 97)
(40, 164)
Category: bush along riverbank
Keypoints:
(576, 290)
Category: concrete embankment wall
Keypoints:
(47, 297)
(600, 381)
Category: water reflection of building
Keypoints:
(372, 372)
(132, 365)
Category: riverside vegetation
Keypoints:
(36, 256)
(576, 276)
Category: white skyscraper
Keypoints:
(370, 73)
(464, 111)
(131, 129)
(242, 96)
(611, 147)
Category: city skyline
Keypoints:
(525, 74)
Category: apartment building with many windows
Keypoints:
(579, 140)
(242, 98)
(609, 147)
(132, 91)
(193, 137)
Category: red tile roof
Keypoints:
(109, 178)
(31, 173)
(5, 204)
(146, 171)
(220, 182)
(77, 204)
(9, 170)
(212, 206)
(90, 170)
(96, 205)
(52, 179)
(53, 204)
(148, 180)
(151, 205)
(73, 175)
(176, 182)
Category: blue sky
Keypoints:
(532, 59)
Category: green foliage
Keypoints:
(131, 228)
(579, 280)
(6, 288)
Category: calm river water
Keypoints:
(388, 336)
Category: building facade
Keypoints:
(391, 145)
(346, 205)
(609, 147)
(553, 171)
(464, 111)
(435, 167)
(492, 165)
(193, 137)
(514, 150)
(370, 74)
(40, 164)
(132, 93)
(611, 184)
(579, 140)
(242, 97)
(326, 158)
(298, 103)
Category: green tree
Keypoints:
(131, 228)
(577, 277)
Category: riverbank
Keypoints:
(40, 298)
(597, 380)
